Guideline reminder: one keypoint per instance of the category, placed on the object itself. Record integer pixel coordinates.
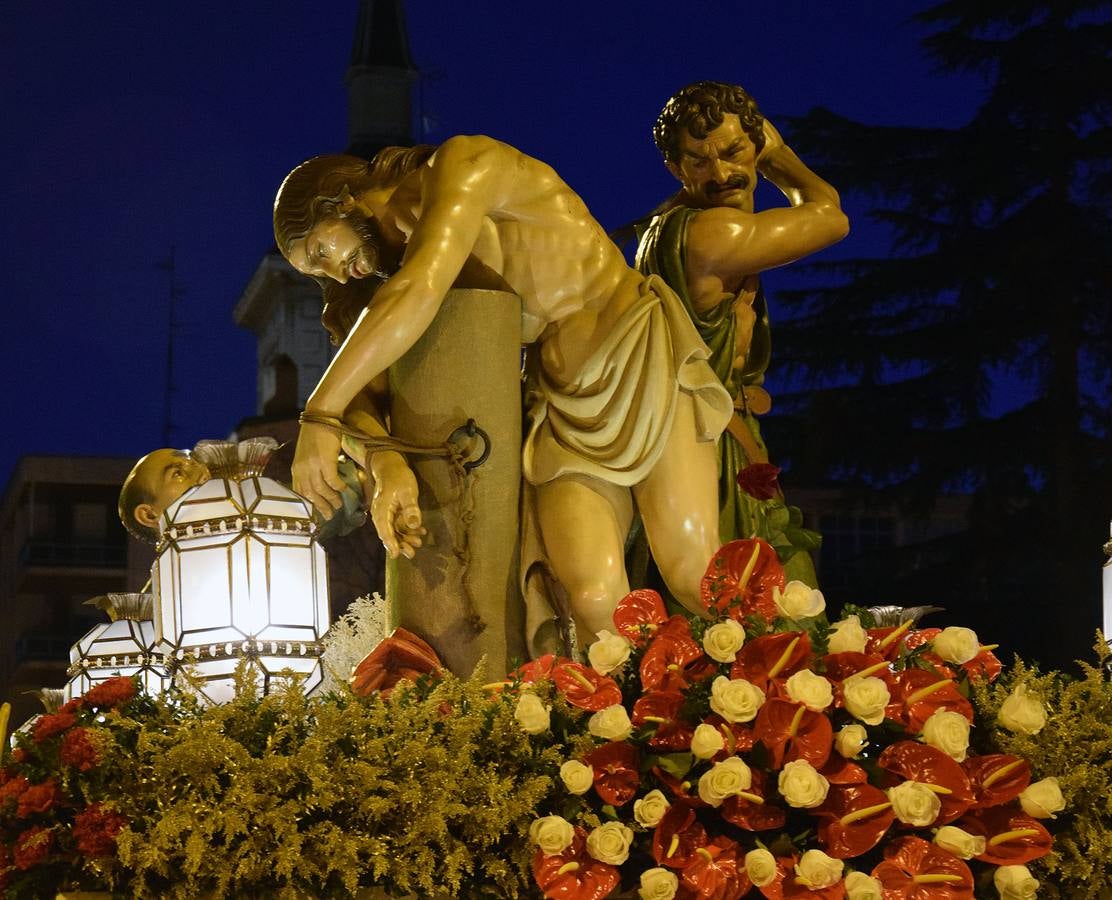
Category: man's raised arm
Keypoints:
(731, 244)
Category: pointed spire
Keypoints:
(380, 79)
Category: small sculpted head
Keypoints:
(153, 483)
(711, 134)
(320, 225)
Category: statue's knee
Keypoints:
(593, 606)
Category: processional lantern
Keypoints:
(126, 645)
(239, 574)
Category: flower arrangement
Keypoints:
(430, 789)
(763, 751)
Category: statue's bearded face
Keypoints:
(720, 169)
(337, 248)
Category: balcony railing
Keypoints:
(74, 554)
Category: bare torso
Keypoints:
(546, 246)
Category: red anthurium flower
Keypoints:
(574, 874)
(923, 693)
(402, 655)
(790, 731)
(739, 738)
(683, 791)
(752, 812)
(759, 481)
(673, 649)
(638, 615)
(854, 819)
(839, 770)
(740, 579)
(717, 871)
(584, 687)
(677, 837)
(914, 869)
(1011, 836)
(772, 656)
(617, 771)
(785, 870)
(997, 778)
(539, 669)
(886, 642)
(912, 761)
(984, 666)
(661, 710)
(840, 666)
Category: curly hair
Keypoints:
(700, 108)
(316, 188)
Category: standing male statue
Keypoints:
(625, 408)
(709, 245)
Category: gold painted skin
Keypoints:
(727, 243)
(165, 475)
(480, 197)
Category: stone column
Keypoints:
(460, 591)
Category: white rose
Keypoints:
(1015, 883)
(914, 803)
(610, 724)
(817, 870)
(798, 600)
(609, 843)
(658, 884)
(860, 886)
(956, 645)
(553, 834)
(1022, 713)
(1043, 799)
(847, 636)
(531, 714)
(650, 809)
(812, 690)
(947, 731)
(725, 779)
(577, 777)
(735, 700)
(608, 652)
(801, 785)
(723, 640)
(865, 698)
(706, 741)
(851, 740)
(961, 843)
(760, 866)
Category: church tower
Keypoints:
(280, 306)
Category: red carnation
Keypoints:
(38, 798)
(32, 847)
(19, 755)
(111, 693)
(47, 726)
(759, 481)
(95, 829)
(13, 789)
(78, 751)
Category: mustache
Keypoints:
(734, 182)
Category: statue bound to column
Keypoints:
(623, 408)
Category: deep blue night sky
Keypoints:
(133, 128)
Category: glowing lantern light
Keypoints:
(124, 646)
(239, 574)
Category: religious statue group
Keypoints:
(639, 387)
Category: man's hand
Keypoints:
(393, 504)
(774, 141)
(314, 468)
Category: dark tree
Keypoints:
(999, 273)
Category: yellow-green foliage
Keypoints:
(431, 790)
(1075, 747)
